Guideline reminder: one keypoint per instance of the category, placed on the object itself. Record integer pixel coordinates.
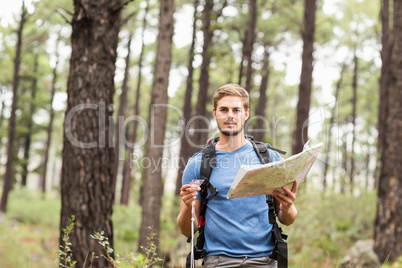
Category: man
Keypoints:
(237, 231)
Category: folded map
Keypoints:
(264, 179)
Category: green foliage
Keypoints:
(29, 234)
(31, 207)
(126, 223)
(396, 264)
(149, 259)
(65, 252)
(169, 231)
(150, 255)
(104, 242)
(327, 225)
(26, 245)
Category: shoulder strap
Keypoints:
(261, 150)
(281, 248)
(208, 162)
(263, 146)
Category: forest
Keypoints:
(102, 104)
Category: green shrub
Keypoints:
(31, 207)
(327, 225)
(129, 235)
(126, 223)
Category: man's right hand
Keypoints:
(188, 194)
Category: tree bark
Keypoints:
(127, 164)
(303, 105)
(11, 125)
(50, 125)
(353, 120)
(369, 155)
(260, 127)
(27, 145)
(242, 61)
(331, 122)
(3, 103)
(88, 153)
(119, 146)
(344, 158)
(248, 46)
(384, 80)
(123, 102)
(201, 125)
(384, 84)
(185, 147)
(388, 231)
(153, 185)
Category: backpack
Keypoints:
(208, 162)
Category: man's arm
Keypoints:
(284, 205)
(188, 195)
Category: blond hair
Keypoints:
(232, 90)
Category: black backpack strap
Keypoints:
(281, 248)
(199, 251)
(261, 149)
(275, 149)
(208, 162)
(271, 208)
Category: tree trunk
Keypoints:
(384, 84)
(201, 125)
(3, 103)
(119, 146)
(123, 102)
(185, 147)
(242, 61)
(260, 127)
(353, 119)
(50, 125)
(384, 80)
(388, 231)
(303, 106)
(153, 185)
(344, 158)
(88, 153)
(331, 122)
(11, 125)
(248, 46)
(125, 193)
(367, 173)
(27, 145)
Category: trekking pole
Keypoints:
(192, 235)
(193, 183)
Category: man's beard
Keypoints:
(231, 133)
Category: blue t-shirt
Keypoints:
(234, 227)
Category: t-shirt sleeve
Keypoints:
(274, 155)
(192, 170)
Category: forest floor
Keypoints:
(326, 227)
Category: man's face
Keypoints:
(230, 115)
